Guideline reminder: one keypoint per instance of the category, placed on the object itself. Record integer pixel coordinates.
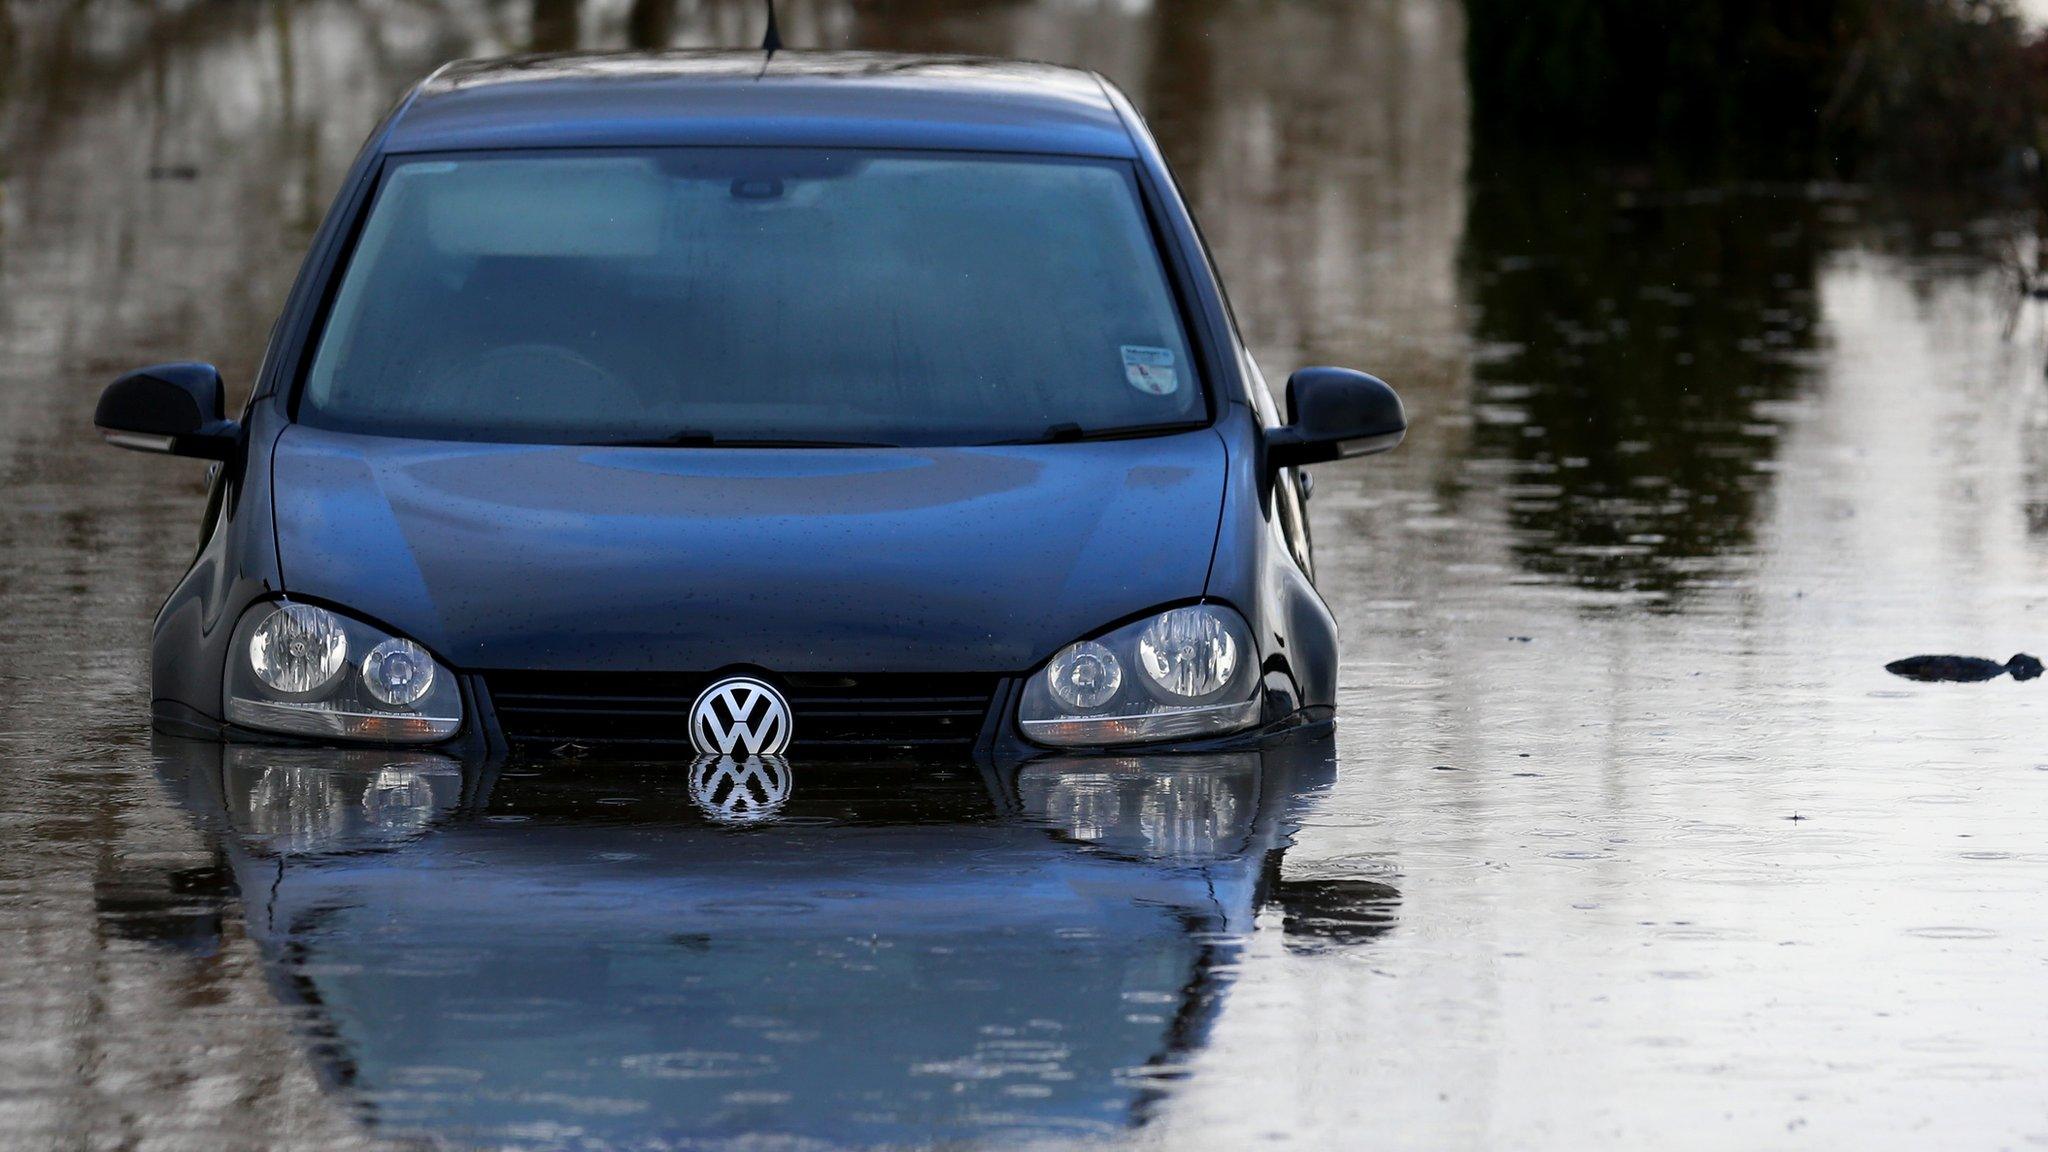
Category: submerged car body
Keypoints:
(811, 401)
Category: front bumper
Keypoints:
(637, 732)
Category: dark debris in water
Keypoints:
(1963, 669)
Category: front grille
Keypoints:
(874, 713)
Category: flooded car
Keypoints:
(742, 404)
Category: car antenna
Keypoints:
(771, 40)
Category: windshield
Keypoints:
(695, 296)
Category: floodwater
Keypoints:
(1629, 840)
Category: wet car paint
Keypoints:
(978, 560)
(1593, 671)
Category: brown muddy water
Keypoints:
(1631, 840)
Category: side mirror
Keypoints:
(171, 408)
(1334, 413)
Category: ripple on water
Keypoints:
(1952, 932)
(757, 907)
(1944, 1045)
(1683, 934)
(760, 1099)
(1973, 1072)
(693, 1064)
(1359, 866)
(435, 1075)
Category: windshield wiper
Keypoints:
(1071, 433)
(697, 438)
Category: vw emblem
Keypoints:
(740, 715)
(740, 789)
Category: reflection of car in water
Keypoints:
(891, 955)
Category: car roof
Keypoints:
(819, 99)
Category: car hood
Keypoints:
(691, 559)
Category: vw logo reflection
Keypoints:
(740, 790)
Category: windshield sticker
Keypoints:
(1151, 370)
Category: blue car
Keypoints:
(754, 404)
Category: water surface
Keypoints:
(1629, 839)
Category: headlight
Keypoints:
(1084, 676)
(307, 671)
(1185, 672)
(398, 673)
(298, 651)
